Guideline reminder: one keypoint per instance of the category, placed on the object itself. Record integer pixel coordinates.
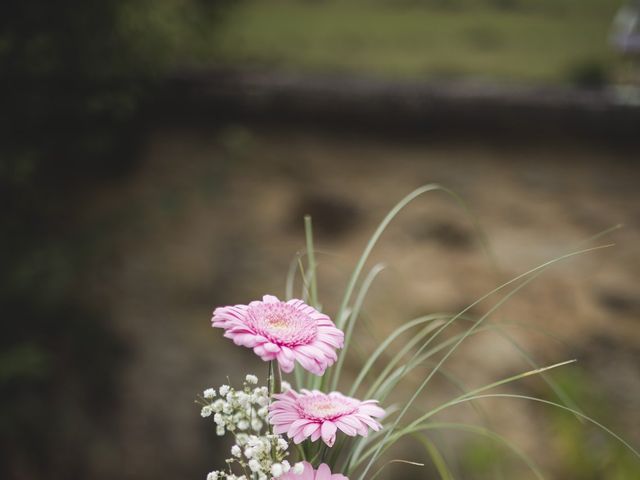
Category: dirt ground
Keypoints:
(214, 217)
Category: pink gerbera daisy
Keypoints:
(323, 473)
(316, 414)
(284, 331)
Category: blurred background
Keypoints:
(157, 157)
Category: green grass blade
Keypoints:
(436, 457)
(385, 223)
(353, 318)
(311, 262)
(424, 418)
(387, 342)
(560, 393)
(396, 460)
(479, 430)
(392, 380)
(374, 239)
(557, 405)
(291, 277)
(533, 273)
(390, 439)
(383, 377)
(489, 386)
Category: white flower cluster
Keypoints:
(260, 456)
(237, 410)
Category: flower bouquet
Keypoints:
(314, 431)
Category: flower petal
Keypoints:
(329, 433)
(323, 472)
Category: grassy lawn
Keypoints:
(537, 40)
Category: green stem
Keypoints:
(275, 378)
(301, 452)
(275, 386)
(319, 453)
(311, 262)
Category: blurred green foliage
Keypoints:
(76, 78)
(588, 453)
(531, 40)
(578, 450)
(480, 458)
(589, 74)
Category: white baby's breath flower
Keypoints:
(285, 386)
(256, 425)
(276, 470)
(282, 444)
(243, 399)
(258, 447)
(259, 453)
(298, 468)
(254, 465)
